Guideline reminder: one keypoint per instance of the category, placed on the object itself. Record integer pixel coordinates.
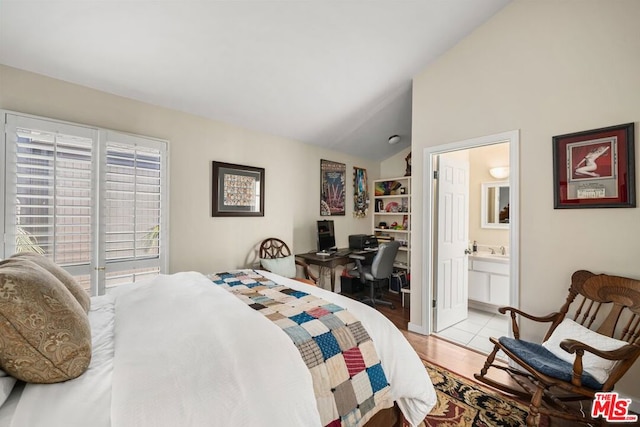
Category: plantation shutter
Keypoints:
(49, 201)
(133, 177)
(94, 201)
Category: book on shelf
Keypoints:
(384, 239)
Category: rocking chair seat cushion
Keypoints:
(545, 362)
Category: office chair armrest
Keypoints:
(358, 260)
(514, 323)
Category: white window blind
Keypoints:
(91, 200)
(53, 195)
(132, 194)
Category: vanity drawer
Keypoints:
(490, 267)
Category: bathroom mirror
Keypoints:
(495, 204)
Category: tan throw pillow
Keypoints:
(45, 335)
(61, 274)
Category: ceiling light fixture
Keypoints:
(394, 139)
(499, 172)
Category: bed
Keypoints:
(188, 350)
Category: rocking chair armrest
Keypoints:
(307, 270)
(548, 318)
(514, 324)
(625, 352)
(626, 355)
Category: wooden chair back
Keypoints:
(608, 305)
(274, 248)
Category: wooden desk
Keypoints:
(328, 262)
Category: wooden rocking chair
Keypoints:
(591, 343)
(275, 249)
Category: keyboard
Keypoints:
(342, 253)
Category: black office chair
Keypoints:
(373, 274)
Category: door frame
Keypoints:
(429, 204)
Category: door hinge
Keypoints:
(435, 174)
(433, 303)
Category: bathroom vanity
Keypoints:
(489, 279)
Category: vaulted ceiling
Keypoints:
(332, 73)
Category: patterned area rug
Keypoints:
(464, 403)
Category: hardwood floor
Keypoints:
(463, 361)
(454, 357)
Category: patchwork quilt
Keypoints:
(349, 383)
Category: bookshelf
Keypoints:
(392, 216)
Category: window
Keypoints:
(93, 200)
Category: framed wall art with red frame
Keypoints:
(595, 168)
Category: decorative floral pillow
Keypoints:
(61, 274)
(45, 335)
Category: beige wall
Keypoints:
(198, 241)
(395, 166)
(546, 68)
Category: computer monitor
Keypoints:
(326, 236)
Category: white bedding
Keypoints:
(163, 355)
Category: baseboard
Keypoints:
(483, 306)
(418, 329)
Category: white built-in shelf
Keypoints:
(402, 197)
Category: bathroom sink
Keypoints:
(490, 255)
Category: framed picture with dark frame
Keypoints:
(237, 190)
(332, 188)
(360, 193)
(595, 168)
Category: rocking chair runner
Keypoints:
(273, 248)
(603, 307)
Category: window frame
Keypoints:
(97, 268)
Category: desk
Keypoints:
(329, 261)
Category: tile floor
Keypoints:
(474, 332)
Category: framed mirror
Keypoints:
(495, 204)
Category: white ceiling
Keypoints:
(332, 73)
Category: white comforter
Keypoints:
(180, 351)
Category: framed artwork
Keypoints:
(332, 188)
(237, 190)
(595, 168)
(360, 193)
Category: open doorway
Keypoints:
(484, 273)
(454, 220)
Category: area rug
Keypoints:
(464, 403)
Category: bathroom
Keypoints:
(488, 278)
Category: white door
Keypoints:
(451, 267)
